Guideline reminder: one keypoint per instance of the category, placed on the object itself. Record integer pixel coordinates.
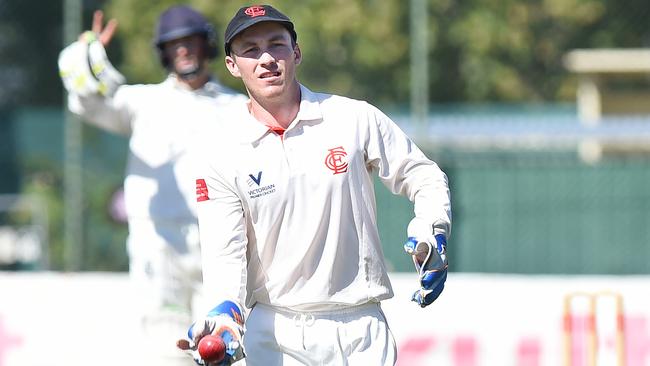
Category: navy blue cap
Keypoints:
(250, 15)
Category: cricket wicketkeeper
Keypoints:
(287, 214)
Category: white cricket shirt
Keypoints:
(291, 222)
(162, 121)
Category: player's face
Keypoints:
(186, 54)
(265, 58)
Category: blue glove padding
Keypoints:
(226, 321)
(431, 265)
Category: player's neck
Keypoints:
(195, 82)
(278, 112)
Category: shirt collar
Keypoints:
(252, 130)
(309, 106)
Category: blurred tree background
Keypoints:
(480, 51)
(489, 51)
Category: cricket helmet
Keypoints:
(181, 21)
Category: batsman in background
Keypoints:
(161, 121)
(288, 221)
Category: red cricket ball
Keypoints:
(212, 348)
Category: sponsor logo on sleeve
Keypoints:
(201, 191)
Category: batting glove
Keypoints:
(430, 261)
(226, 321)
(85, 69)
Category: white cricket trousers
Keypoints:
(356, 336)
(165, 273)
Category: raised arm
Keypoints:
(91, 80)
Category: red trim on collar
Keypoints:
(278, 130)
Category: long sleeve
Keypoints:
(405, 170)
(223, 237)
(109, 113)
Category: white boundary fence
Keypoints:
(481, 320)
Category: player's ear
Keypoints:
(231, 65)
(297, 54)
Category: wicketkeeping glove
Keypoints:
(226, 321)
(430, 261)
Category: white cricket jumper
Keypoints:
(162, 122)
